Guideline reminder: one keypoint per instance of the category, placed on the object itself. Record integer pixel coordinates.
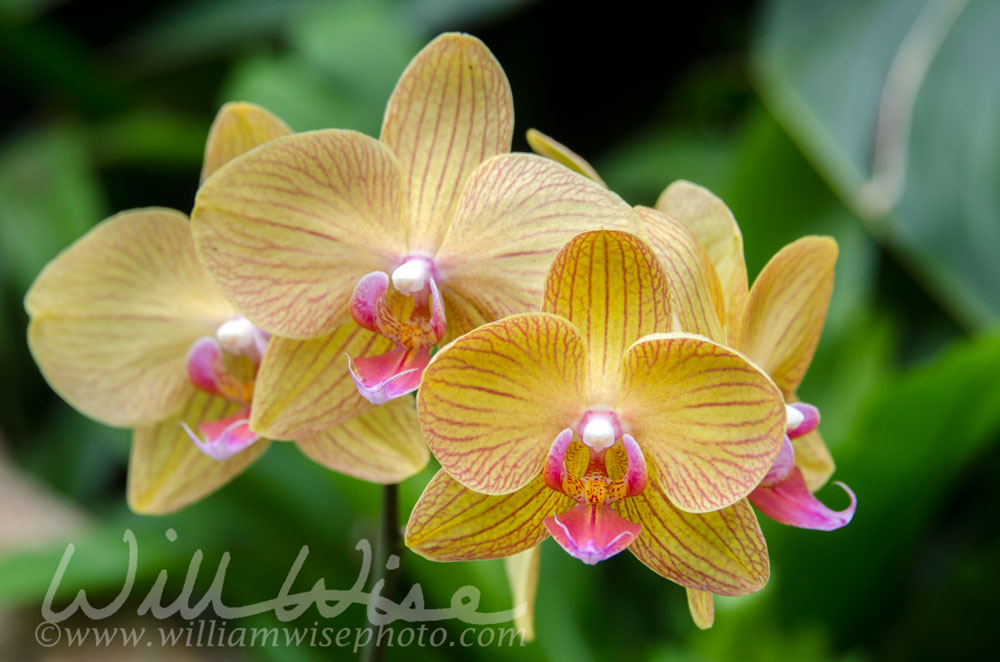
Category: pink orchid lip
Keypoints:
(391, 375)
(592, 533)
(224, 438)
(808, 415)
(203, 362)
(790, 502)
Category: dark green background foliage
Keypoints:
(773, 105)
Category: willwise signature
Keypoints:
(286, 606)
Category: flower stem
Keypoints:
(390, 541)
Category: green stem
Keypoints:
(390, 541)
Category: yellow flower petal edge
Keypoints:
(113, 317)
(238, 128)
(710, 220)
(453, 523)
(451, 110)
(786, 309)
(696, 292)
(522, 575)
(516, 213)
(813, 458)
(721, 551)
(702, 608)
(709, 421)
(492, 402)
(288, 229)
(381, 446)
(303, 386)
(167, 472)
(611, 287)
(551, 148)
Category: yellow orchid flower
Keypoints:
(591, 422)
(777, 324)
(381, 249)
(129, 328)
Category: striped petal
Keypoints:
(304, 386)
(696, 296)
(453, 523)
(167, 471)
(522, 575)
(451, 110)
(786, 309)
(113, 317)
(611, 287)
(238, 128)
(791, 503)
(710, 220)
(702, 608)
(381, 446)
(492, 401)
(288, 230)
(813, 459)
(709, 422)
(721, 551)
(550, 148)
(516, 213)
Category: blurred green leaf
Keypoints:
(49, 196)
(915, 432)
(898, 103)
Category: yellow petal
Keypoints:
(113, 317)
(167, 471)
(303, 386)
(451, 110)
(550, 148)
(814, 459)
(492, 402)
(522, 575)
(695, 291)
(710, 220)
(238, 128)
(516, 213)
(289, 229)
(702, 608)
(453, 523)
(722, 551)
(786, 309)
(611, 287)
(708, 421)
(381, 446)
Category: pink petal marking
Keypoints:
(592, 533)
(555, 463)
(810, 419)
(437, 321)
(386, 376)
(782, 465)
(636, 475)
(224, 438)
(203, 364)
(791, 502)
(364, 301)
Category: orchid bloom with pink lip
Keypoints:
(777, 323)
(341, 244)
(592, 423)
(129, 328)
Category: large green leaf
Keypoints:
(898, 104)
